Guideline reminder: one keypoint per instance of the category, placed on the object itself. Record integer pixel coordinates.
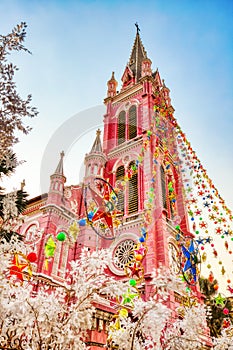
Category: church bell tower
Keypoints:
(140, 145)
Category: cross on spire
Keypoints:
(137, 26)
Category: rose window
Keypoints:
(124, 253)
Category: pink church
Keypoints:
(138, 157)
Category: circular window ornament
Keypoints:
(124, 253)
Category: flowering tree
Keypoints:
(39, 316)
(152, 325)
(11, 204)
(55, 317)
(12, 107)
(225, 342)
(12, 111)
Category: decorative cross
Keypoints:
(137, 26)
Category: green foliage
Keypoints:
(8, 163)
(8, 236)
(207, 287)
(216, 317)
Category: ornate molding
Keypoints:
(128, 146)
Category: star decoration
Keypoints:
(203, 224)
(219, 300)
(218, 230)
(50, 247)
(128, 297)
(17, 266)
(141, 249)
(106, 208)
(190, 262)
(74, 230)
(198, 212)
(134, 270)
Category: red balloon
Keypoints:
(32, 257)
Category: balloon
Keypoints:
(82, 222)
(138, 257)
(61, 236)
(132, 282)
(32, 257)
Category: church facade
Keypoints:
(132, 190)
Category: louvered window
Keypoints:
(121, 128)
(133, 191)
(120, 174)
(132, 122)
(163, 186)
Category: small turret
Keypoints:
(95, 160)
(112, 86)
(57, 181)
(146, 67)
(166, 93)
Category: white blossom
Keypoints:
(9, 205)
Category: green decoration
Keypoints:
(219, 300)
(61, 236)
(132, 282)
(50, 247)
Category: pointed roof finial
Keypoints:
(138, 54)
(137, 26)
(22, 185)
(59, 169)
(97, 147)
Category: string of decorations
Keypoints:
(206, 199)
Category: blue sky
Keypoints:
(77, 44)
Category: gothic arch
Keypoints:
(120, 174)
(133, 190)
(163, 186)
(121, 128)
(132, 122)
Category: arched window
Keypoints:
(89, 170)
(133, 191)
(120, 174)
(121, 128)
(163, 187)
(95, 169)
(132, 122)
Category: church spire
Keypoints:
(59, 168)
(138, 54)
(97, 147)
(95, 160)
(57, 181)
